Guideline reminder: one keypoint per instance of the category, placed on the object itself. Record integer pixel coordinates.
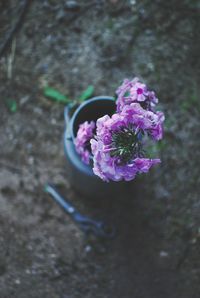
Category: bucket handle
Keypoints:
(67, 110)
(67, 115)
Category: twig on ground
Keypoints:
(11, 58)
(15, 28)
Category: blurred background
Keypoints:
(68, 46)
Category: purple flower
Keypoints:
(109, 168)
(144, 120)
(138, 92)
(117, 147)
(144, 164)
(117, 143)
(156, 131)
(82, 140)
(135, 91)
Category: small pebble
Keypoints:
(88, 248)
(31, 160)
(164, 254)
(60, 15)
(30, 247)
(28, 271)
(150, 66)
(24, 100)
(72, 5)
(38, 111)
(53, 121)
(10, 136)
(17, 282)
(29, 146)
(75, 70)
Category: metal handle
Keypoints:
(87, 224)
(67, 111)
(59, 199)
(66, 115)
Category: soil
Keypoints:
(70, 45)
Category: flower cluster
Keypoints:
(82, 141)
(117, 146)
(135, 91)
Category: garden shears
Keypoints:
(87, 224)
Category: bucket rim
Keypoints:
(87, 102)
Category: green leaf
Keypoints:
(12, 105)
(87, 93)
(55, 95)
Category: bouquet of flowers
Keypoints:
(116, 144)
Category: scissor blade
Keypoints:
(59, 199)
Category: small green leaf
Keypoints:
(12, 105)
(55, 95)
(87, 93)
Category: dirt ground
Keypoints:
(70, 45)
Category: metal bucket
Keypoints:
(80, 175)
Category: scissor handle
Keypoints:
(87, 224)
(99, 228)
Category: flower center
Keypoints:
(127, 145)
(139, 91)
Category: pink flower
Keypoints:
(144, 164)
(135, 91)
(82, 140)
(138, 92)
(145, 120)
(117, 147)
